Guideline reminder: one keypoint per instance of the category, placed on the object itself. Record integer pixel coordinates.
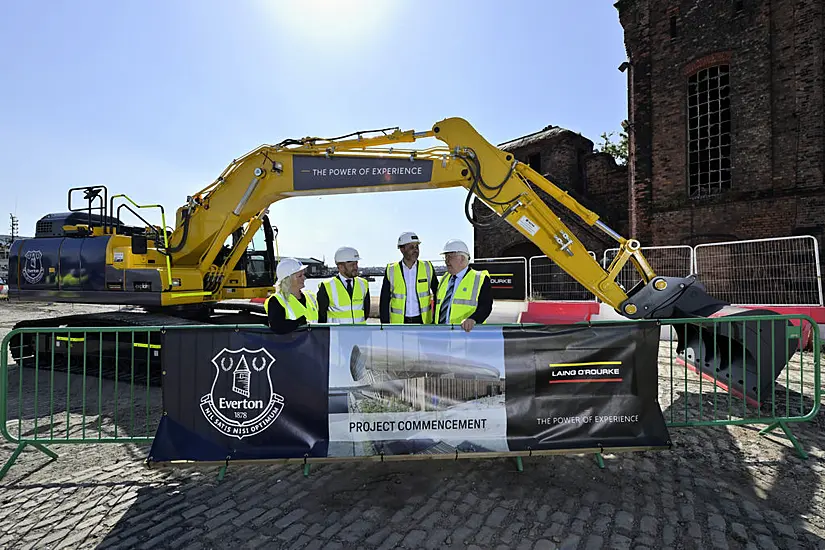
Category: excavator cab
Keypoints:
(256, 268)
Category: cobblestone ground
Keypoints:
(719, 487)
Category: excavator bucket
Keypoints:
(743, 355)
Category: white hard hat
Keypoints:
(288, 266)
(456, 245)
(407, 238)
(346, 254)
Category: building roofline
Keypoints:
(543, 130)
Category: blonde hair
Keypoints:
(284, 286)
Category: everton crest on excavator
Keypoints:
(88, 255)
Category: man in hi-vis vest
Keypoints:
(465, 296)
(408, 291)
(345, 298)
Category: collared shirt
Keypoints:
(455, 283)
(344, 280)
(410, 280)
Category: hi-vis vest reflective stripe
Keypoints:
(294, 309)
(465, 295)
(398, 289)
(341, 309)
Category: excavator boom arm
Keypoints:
(99, 259)
(358, 164)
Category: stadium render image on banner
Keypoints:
(416, 390)
(350, 391)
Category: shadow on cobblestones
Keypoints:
(760, 479)
(718, 488)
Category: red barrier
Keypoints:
(575, 312)
(555, 313)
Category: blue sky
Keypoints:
(154, 99)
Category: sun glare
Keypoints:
(331, 22)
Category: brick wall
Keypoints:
(775, 51)
(606, 190)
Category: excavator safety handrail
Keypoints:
(163, 225)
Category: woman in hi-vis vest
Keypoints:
(291, 306)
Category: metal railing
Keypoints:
(102, 385)
(76, 386)
(783, 271)
(550, 282)
(781, 386)
(667, 261)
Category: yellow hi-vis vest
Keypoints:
(342, 310)
(398, 291)
(465, 295)
(294, 309)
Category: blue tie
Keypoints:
(445, 305)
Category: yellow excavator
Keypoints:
(185, 275)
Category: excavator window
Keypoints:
(256, 261)
(258, 269)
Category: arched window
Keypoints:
(708, 96)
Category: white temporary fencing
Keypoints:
(550, 282)
(780, 271)
(783, 271)
(667, 261)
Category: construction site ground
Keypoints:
(718, 487)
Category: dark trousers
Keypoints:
(413, 320)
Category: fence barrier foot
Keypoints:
(519, 464)
(787, 431)
(43, 449)
(600, 460)
(13, 458)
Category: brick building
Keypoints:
(726, 103)
(568, 160)
(726, 126)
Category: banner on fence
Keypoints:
(364, 391)
(506, 278)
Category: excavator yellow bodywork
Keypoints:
(89, 255)
(193, 264)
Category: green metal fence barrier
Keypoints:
(95, 385)
(78, 386)
(693, 398)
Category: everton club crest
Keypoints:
(33, 268)
(242, 401)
